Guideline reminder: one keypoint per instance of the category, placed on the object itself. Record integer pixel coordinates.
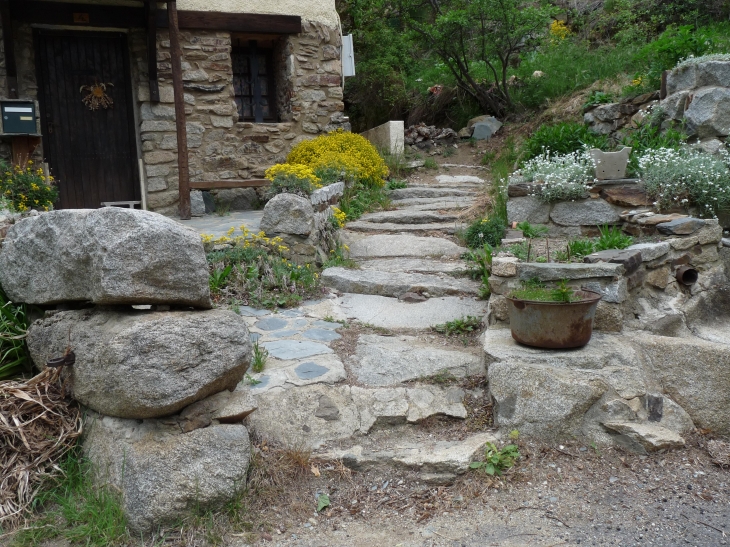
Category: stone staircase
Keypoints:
(363, 404)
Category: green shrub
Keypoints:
(497, 460)
(488, 230)
(687, 178)
(362, 198)
(596, 98)
(579, 248)
(562, 138)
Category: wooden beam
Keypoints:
(182, 132)
(79, 15)
(238, 22)
(225, 184)
(151, 9)
(11, 69)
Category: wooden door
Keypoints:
(92, 153)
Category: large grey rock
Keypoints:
(395, 284)
(237, 199)
(695, 373)
(161, 473)
(482, 131)
(493, 122)
(675, 104)
(682, 79)
(708, 115)
(681, 226)
(407, 359)
(134, 364)
(713, 73)
(528, 209)
(591, 212)
(651, 251)
(107, 256)
(288, 214)
(378, 246)
(648, 436)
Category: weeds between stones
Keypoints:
(260, 355)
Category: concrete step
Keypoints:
(415, 265)
(396, 284)
(439, 462)
(409, 216)
(429, 192)
(443, 227)
(401, 245)
(409, 358)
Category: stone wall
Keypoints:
(639, 285)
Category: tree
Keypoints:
(478, 36)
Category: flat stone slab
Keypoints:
(435, 457)
(313, 415)
(364, 226)
(681, 226)
(295, 349)
(407, 359)
(392, 314)
(590, 212)
(437, 205)
(458, 179)
(556, 272)
(387, 245)
(271, 323)
(395, 284)
(650, 251)
(464, 201)
(409, 216)
(290, 374)
(648, 437)
(424, 192)
(415, 265)
(321, 335)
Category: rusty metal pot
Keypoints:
(554, 325)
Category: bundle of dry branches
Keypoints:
(38, 425)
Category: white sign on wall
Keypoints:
(348, 56)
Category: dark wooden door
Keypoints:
(92, 153)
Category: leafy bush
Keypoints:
(488, 230)
(14, 322)
(687, 178)
(562, 138)
(352, 154)
(596, 98)
(27, 188)
(562, 177)
(612, 238)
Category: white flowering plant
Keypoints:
(696, 60)
(687, 178)
(562, 177)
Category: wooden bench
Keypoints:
(224, 184)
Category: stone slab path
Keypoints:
(314, 393)
(218, 225)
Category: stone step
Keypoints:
(437, 201)
(459, 179)
(435, 205)
(443, 227)
(439, 462)
(405, 193)
(415, 265)
(395, 284)
(401, 245)
(317, 414)
(409, 216)
(409, 358)
(390, 313)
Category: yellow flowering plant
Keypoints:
(338, 217)
(351, 154)
(292, 178)
(558, 31)
(27, 187)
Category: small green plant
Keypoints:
(480, 266)
(580, 247)
(448, 151)
(361, 198)
(323, 501)
(496, 460)
(250, 380)
(222, 207)
(218, 278)
(466, 325)
(14, 322)
(597, 97)
(613, 238)
(397, 184)
(518, 249)
(260, 355)
(340, 257)
(529, 231)
(487, 230)
(430, 163)
(442, 378)
(472, 142)
(536, 291)
(563, 293)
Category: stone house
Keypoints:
(257, 77)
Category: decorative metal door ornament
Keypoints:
(97, 97)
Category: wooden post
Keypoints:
(151, 9)
(182, 133)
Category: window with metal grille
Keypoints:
(253, 83)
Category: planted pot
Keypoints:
(554, 325)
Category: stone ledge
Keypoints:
(556, 272)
